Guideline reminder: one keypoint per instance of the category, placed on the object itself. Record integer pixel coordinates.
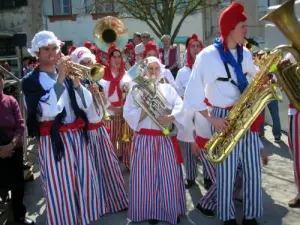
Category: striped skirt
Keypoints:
(294, 143)
(156, 186)
(70, 185)
(111, 182)
(116, 129)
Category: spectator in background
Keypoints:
(169, 55)
(139, 49)
(137, 38)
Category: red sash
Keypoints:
(175, 144)
(201, 141)
(94, 126)
(45, 127)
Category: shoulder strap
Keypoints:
(228, 78)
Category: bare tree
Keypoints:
(159, 15)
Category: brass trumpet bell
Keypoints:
(94, 73)
(110, 30)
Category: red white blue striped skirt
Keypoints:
(156, 186)
(70, 185)
(111, 182)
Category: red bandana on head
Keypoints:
(89, 45)
(150, 46)
(190, 60)
(229, 18)
(114, 82)
(71, 49)
(130, 47)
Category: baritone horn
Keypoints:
(288, 73)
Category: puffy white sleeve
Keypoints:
(132, 111)
(177, 111)
(169, 76)
(50, 106)
(86, 98)
(179, 85)
(201, 76)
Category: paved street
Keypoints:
(278, 184)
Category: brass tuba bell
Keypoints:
(110, 30)
(288, 73)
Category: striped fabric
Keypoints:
(248, 152)
(294, 143)
(190, 161)
(116, 127)
(156, 186)
(72, 195)
(111, 183)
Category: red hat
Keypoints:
(89, 45)
(150, 46)
(230, 17)
(190, 59)
(129, 46)
(71, 49)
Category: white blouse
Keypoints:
(182, 79)
(132, 111)
(207, 69)
(51, 107)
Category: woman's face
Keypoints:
(153, 69)
(151, 53)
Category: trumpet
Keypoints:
(126, 130)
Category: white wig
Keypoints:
(42, 39)
(81, 53)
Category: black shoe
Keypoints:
(153, 221)
(24, 221)
(207, 183)
(249, 222)
(205, 212)
(189, 183)
(294, 203)
(178, 219)
(230, 222)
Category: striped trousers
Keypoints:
(190, 161)
(111, 182)
(156, 185)
(71, 184)
(116, 127)
(248, 152)
(294, 143)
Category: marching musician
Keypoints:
(103, 158)
(194, 46)
(113, 87)
(53, 103)
(130, 53)
(222, 81)
(294, 137)
(151, 49)
(156, 188)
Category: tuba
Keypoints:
(147, 95)
(288, 74)
(253, 100)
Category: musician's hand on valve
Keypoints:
(221, 124)
(62, 68)
(165, 120)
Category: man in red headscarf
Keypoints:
(219, 75)
(113, 86)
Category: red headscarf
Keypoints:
(71, 49)
(114, 82)
(89, 45)
(130, 47)
(150, 46)
(229, 18)
(190, 60)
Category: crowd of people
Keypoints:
(80, 148)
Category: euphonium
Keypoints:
(253, 100)
(287, 74)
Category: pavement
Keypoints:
(278, 189)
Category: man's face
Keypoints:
(116, 59)
(86, 62)
(48, 54)
(239, 33)
(145, 38)
(166, 42)
(136, 40)
(195, 48)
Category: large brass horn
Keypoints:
(109, 30)
(288, 74)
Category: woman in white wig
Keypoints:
(111, 183)
(156, 188)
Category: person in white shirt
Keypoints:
(113, 87)
(222, 81)
(55, 104)
(294, 137)
(194, 46)
(156, 186)
(145, 36)
(101, 149)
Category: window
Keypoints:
(6, 46)
(11, 4)
(105, 7)
(62, 7)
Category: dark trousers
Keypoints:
(12, 178)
